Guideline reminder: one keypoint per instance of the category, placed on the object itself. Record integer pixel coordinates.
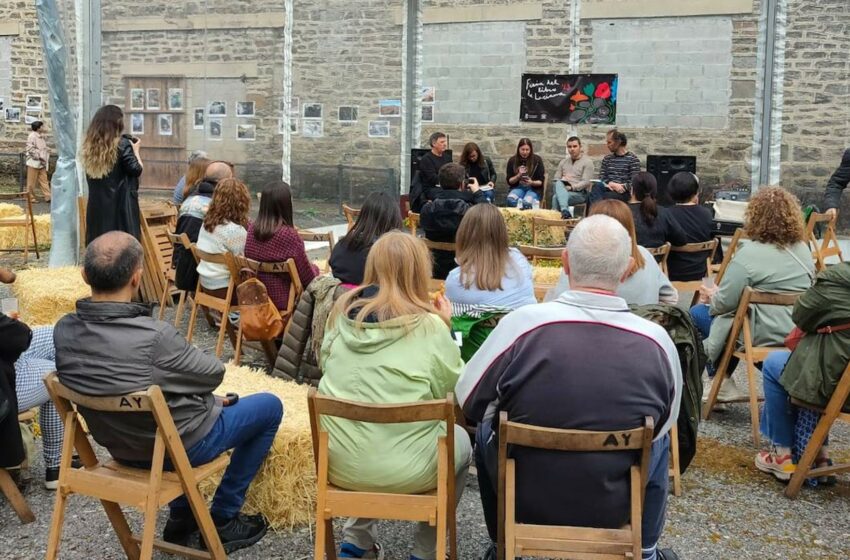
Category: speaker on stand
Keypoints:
(664, 167)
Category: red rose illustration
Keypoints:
(603, 91)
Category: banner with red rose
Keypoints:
(569, 98)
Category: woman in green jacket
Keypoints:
(809, 374)
(773, 258)
(386, 342)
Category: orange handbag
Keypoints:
(258, 316)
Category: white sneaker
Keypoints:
(730, 392)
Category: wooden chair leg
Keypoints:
(442, 496)
(192, 316)
(510, 510)
(55, 535)
(219, 345)
(269, 349)
(19, 503)
(716, 382)
(178, 315)
(675, 470)
(26, 244)
(163, 301)
(754, 401)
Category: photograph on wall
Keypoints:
(389, 107)
(33, 103)
(246, 132)
(30, 118)
(427, 112)
(198, 123)
(295, 105)
(153, 99)
(569, 98)
(218, 109)
(244, 108)
(2, 104)
(137, 123)
(165, 125)
(312, 129)
(175, 99)
(428, 94)
(215, 129)
(13, 114)
(137, 99)
(313, 110)
(379, 129)
(348, 114)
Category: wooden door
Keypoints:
(155, 112)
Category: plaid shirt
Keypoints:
(285, 244)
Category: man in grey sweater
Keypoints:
(112, 346)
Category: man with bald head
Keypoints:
(112, 346)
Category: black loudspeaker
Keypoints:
(664, 167)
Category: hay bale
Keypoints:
(546, 275)
(13, 237)
(519, 227)
(285, 488)
(9, 210)
(46, 294)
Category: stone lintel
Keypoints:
(192, 69)
(189, 23)
(614, 9)
(478, 13)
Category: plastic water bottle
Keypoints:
(535, 205)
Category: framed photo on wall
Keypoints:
(198, 118)
(175, 99)
(137, 124)
(137, 99)
(165, 124)
(244, 108)
(153, 99)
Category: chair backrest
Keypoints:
(513, 433)
(439, 246)
(412, 221)
(534, 253)
(661, 254)
(538, 222)
(707, 247)
(182, 239)
(828, 246)
(728, 254)
(350, 215)
(285, 269)
(327, 237)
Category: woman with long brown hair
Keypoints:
(224, 231)
(387, 342)
(773, 258)
(196, 172)
(525, 175)
(489, 271)
(480, 168)
(645, 283)
(113, 166)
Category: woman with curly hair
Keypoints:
(773, 258)
(113, 166)
(224, 231)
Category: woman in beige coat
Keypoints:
(38, 158)
(773, 258)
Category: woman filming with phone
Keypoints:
(112, 164)
(525, 174)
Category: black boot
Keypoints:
(240, 532)
(180, 528)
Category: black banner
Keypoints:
(569, 98)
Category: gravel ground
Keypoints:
(728, 509)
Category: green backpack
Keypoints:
(679, 326)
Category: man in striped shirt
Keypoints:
(536, 366)
(617, 171)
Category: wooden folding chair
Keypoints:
(709, 247)
(8, 487)
(169, 288)
(436, 507)
(327, 237)
(836, 409)
(350, 215)
(546, 203)
(287, 270)
(720, 270)
(660, 254)
(439, 245)
(533, 253)
(209, 301)
(412, 222)
(750, 354)
(115, 484)
(26, 221)
(828, 246)
(521, 539)
(538, 222)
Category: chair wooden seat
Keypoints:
(836, 409)
(115, 484)
(750, 353)
(437, 507)
(585, 543)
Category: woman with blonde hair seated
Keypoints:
(645, 283)
(773, 258)
(386, 343)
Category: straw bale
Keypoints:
(546, 275)
(45, 295)
(13, 237)
(285, 488)
(519, 227)
(9, 210)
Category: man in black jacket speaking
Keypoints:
(837, 183)
(112, 346)
(427, 179)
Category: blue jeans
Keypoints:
(248, 427)
(702, 321)
(778, 416)
(490, 195)
(654, 505)
(563, 198)
(526, 194)
(598, 191)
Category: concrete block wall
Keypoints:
(475, 68)
(673, 72)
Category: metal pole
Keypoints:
(411, 125)
(767, 97)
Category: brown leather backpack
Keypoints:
(258, 316)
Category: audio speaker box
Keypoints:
(664, 167)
